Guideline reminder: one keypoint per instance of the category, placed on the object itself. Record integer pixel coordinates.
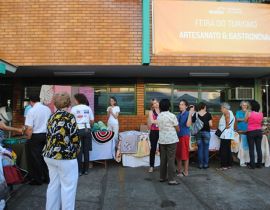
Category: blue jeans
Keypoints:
(203, 138)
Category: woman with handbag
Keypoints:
(154, 131)
(60, 154)
(203, 136)
(226, 134)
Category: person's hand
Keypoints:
(191, 109)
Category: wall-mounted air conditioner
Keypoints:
(241, 93)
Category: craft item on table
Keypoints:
(265, 151)
(99, 126)
(103, 136)
(102, 126)
(90, 94)
(243, 153)
(143, 146)
(193, 144)
(244, 141)
(214, 143)
(46, 95)
(129, 144)
(235, 143)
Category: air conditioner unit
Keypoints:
(241, 93)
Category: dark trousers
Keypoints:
(225, 153)
(38, 169)
(255, 137)
(167, 158)
(154, 135)
(86, 146)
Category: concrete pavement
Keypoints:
(123, 188)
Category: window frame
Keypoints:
(108, 94)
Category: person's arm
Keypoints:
(115, 115)
(151, 119)
(74, 137)
(91, 116)
(210, 120)
(210, 123)
(227, 119)
(176, 124)
(189, 120)
(109, 111)
(29, 123)
(28, 132)
(247, 116)
(5, 127)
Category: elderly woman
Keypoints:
(60, 153)
(168, 126)
(254, 133)
(226, 126)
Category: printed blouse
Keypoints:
(62, 137)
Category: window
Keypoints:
(125, 95)
(188, 93)
(212, 96)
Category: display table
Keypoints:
(19, 146)
(131, 161)
(134, 148)
(103, 145)
(243, 153)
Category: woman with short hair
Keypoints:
(226, 125)
(60, 154)
(168, 126)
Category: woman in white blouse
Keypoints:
(113, 113)
(168, 126)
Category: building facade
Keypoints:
(108, 44)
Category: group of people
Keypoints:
(172, 133)
(58, 142)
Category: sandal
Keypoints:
(173, 183)
(181, 174)
(222, 169)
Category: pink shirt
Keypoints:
(255, 121)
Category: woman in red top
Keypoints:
(154, 131)
(254, 133)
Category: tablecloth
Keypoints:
(243, 153)
(141, 157)
(103, 151)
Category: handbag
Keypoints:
(218, 132)
(12, 175)
(196, 126)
